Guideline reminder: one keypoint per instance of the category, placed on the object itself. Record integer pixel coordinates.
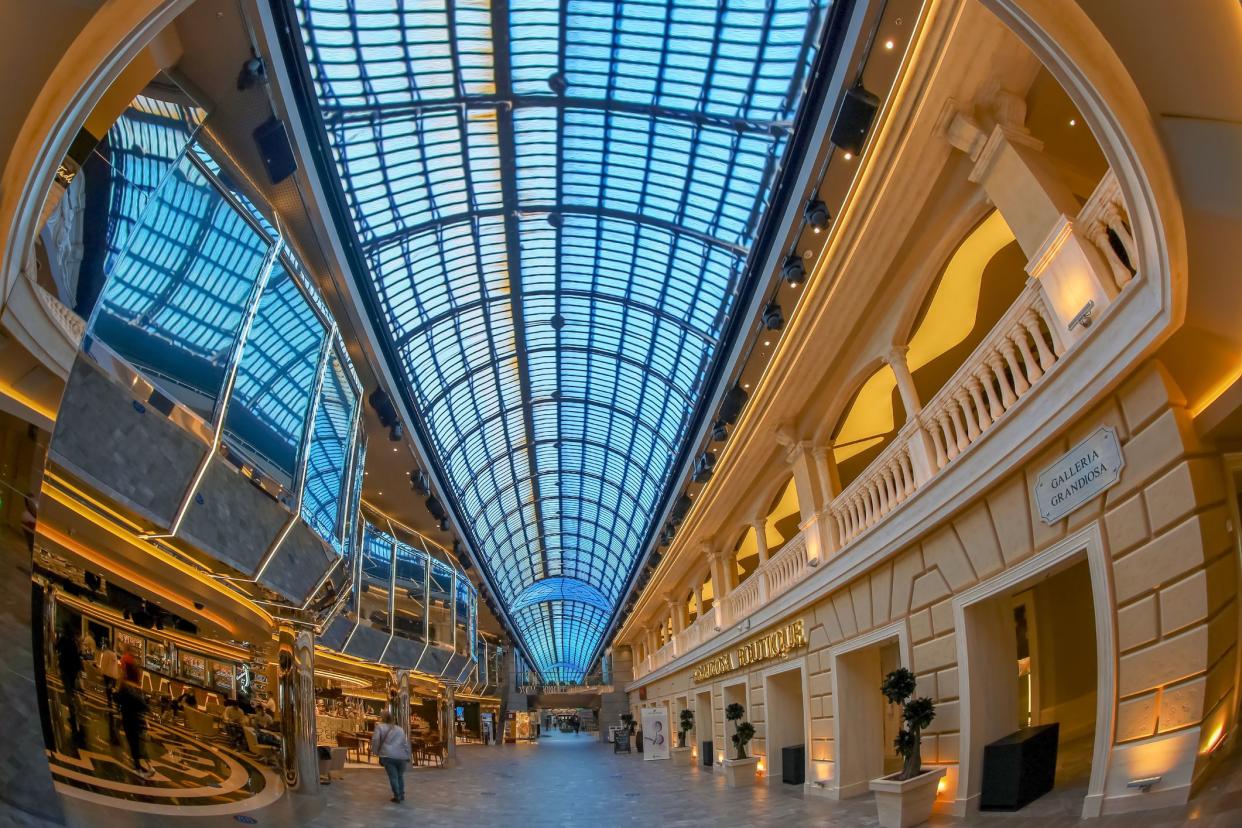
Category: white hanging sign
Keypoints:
(1079, 475)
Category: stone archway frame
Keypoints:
(1085, 544)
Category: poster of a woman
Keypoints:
(655, 733)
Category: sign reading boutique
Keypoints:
(776, 644)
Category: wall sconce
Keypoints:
(720, 757)
(1083, 317)
(760, 768)
(1145, 784)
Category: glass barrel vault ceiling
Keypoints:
(555, 204)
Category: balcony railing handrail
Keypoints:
(1024, 345)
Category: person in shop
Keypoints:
(234, 720)
(109, 668)
(391, 745)
(69, 660)
(133, 707)
(264, 723)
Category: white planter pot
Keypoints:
(909, 803)
(740, 773)
(682, 756)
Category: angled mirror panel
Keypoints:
(174, 304)
(275, 380)
(328, 453)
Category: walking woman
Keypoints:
(133, 707)
(391, 745)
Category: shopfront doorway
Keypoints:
(786, 727)
(702, 732)
(1033, 653)
(865, 725)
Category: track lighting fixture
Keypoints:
(792, 270)
(773, 319)
(816, 215)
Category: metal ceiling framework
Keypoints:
(554, 206)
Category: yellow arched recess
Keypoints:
(950, 315)
(949, 319)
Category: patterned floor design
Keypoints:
(189, 771)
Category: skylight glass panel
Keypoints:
(555, 207)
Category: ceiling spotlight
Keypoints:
(558, 83)
(792, 270)
(443, 524)
(849, 156)
(1073, 122)
(888, 44)
(558, 321)
(396, 432)
(252, 73)
(720, 431)
(816, 215)
(773, 319)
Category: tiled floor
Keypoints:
(575, 781)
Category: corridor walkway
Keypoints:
(568, 780)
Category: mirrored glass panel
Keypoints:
(410, 593)
(266, 417)
(376, 582)
(440, 609)
(465, 624)
(328, 452)
(173, 306)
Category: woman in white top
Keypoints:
(392, 746)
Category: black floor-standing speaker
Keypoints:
(793, 765)
(1019, 768)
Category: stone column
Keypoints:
(800, 455)
(896, 359)
(450, 724)
(1039, 208)
(296, 657)
(402, 714)
(677, 608)
(760, 524)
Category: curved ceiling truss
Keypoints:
(555, 204)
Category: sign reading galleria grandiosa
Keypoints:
(776, 644)
(1079, 475)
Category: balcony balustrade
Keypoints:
(1011, 362)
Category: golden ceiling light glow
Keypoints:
(951, 313)
(137, 542)
(869, 416)
(888, 44)
(849, 156)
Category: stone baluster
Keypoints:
(972, 426)
(1002, 380)
(975, 389)
(1030, 320)
(1033, 371)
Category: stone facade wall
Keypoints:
(1166, 530)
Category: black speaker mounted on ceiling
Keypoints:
(274, 148)
(732, 404)
(858, 108)
(384, 409)
(435, 507)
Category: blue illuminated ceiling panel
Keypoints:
(555, 205)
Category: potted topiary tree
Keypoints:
(906, 798)
(682, 754)
(740, 770)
